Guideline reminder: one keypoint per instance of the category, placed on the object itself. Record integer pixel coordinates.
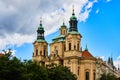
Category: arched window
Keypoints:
(74, 47)
(78, 70)
(36, 52)
(78, 46)
(64, 31)
(86, 75)
(44, 53)
(69, 46)
(94, 75)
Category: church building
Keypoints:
(65, 49)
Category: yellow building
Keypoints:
(66, 50)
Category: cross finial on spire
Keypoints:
(73, 10)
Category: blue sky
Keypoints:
(98, 24)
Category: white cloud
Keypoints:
(86, 9)
(97, 11)
(118, 57)
(108, 0)
(15, 39)
(20, 25)
(117, 62)
(102, 57)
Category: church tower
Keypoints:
(63, 29)
(73, 38)
(57, 47)
(73, 46)
(40, 46)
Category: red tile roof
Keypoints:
(86, 53)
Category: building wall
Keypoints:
(73, 59)
(57, 48)
(104, 67)
(40, 51)
(68, 53)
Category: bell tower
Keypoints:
(63, 29)
(73, 37)
(40, 45)
(73, 22)
(73, 46)
(40, 31)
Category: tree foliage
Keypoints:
(108, 76)
(59, 72)
(11, 68)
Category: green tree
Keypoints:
(33, 71)
(108, 76)
(59, 72)
(118, 78)
(11, 68)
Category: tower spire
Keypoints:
(86, 48)
(73, 10)
(40, 31)
(73, 22)
(63, 25)
(63, 22)
(40, 21)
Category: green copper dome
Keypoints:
(73, 23)
(73, 18)
(40, 33)
(40, 27)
